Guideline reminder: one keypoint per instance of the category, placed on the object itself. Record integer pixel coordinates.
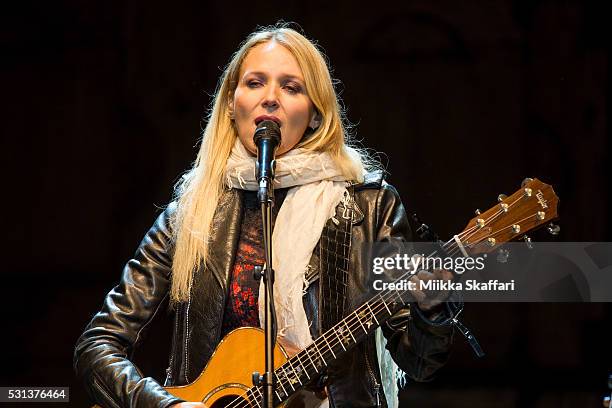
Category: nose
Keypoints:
(270, 100)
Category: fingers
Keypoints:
(443, 274)
(418, 294)
(430, 294)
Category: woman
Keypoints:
(203, 247)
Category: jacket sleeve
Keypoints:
(101, 356)
(418, 345)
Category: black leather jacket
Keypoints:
(102, 353)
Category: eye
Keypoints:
(293, 88)
(253, 83)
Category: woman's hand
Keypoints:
(189, 405)
(430, 299)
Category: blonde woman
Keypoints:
(202, 249)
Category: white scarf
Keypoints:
(318, 187)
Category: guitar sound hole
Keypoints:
(231, 401)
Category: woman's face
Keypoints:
(271, 87)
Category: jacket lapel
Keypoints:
(206, 305)
(224, 237)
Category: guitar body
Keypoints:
(228, 374)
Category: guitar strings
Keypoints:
(510, 226)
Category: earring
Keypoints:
(315, 122)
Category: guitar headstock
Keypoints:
(529, 208)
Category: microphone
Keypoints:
(267, 137)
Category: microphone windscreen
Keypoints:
(267, 129)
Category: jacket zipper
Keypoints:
(169, 370)
(187, 336)
(374, 381)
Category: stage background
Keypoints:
(102, 106)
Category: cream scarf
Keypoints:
(317, 188)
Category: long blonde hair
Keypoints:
(198, 192)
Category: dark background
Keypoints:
(102, 105)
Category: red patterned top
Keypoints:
(241, 308)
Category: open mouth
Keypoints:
(261, 118)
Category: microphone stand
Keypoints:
(266, 199)
(267, 137)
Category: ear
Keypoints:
(315, 121)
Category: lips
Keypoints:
(261, 118)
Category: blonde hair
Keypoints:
(198, 192)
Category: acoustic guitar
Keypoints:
(226, 380)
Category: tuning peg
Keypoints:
(553, 229)
(528, 241)
(477, 212)
(502, 255)
(526, 181)
(501, 197)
